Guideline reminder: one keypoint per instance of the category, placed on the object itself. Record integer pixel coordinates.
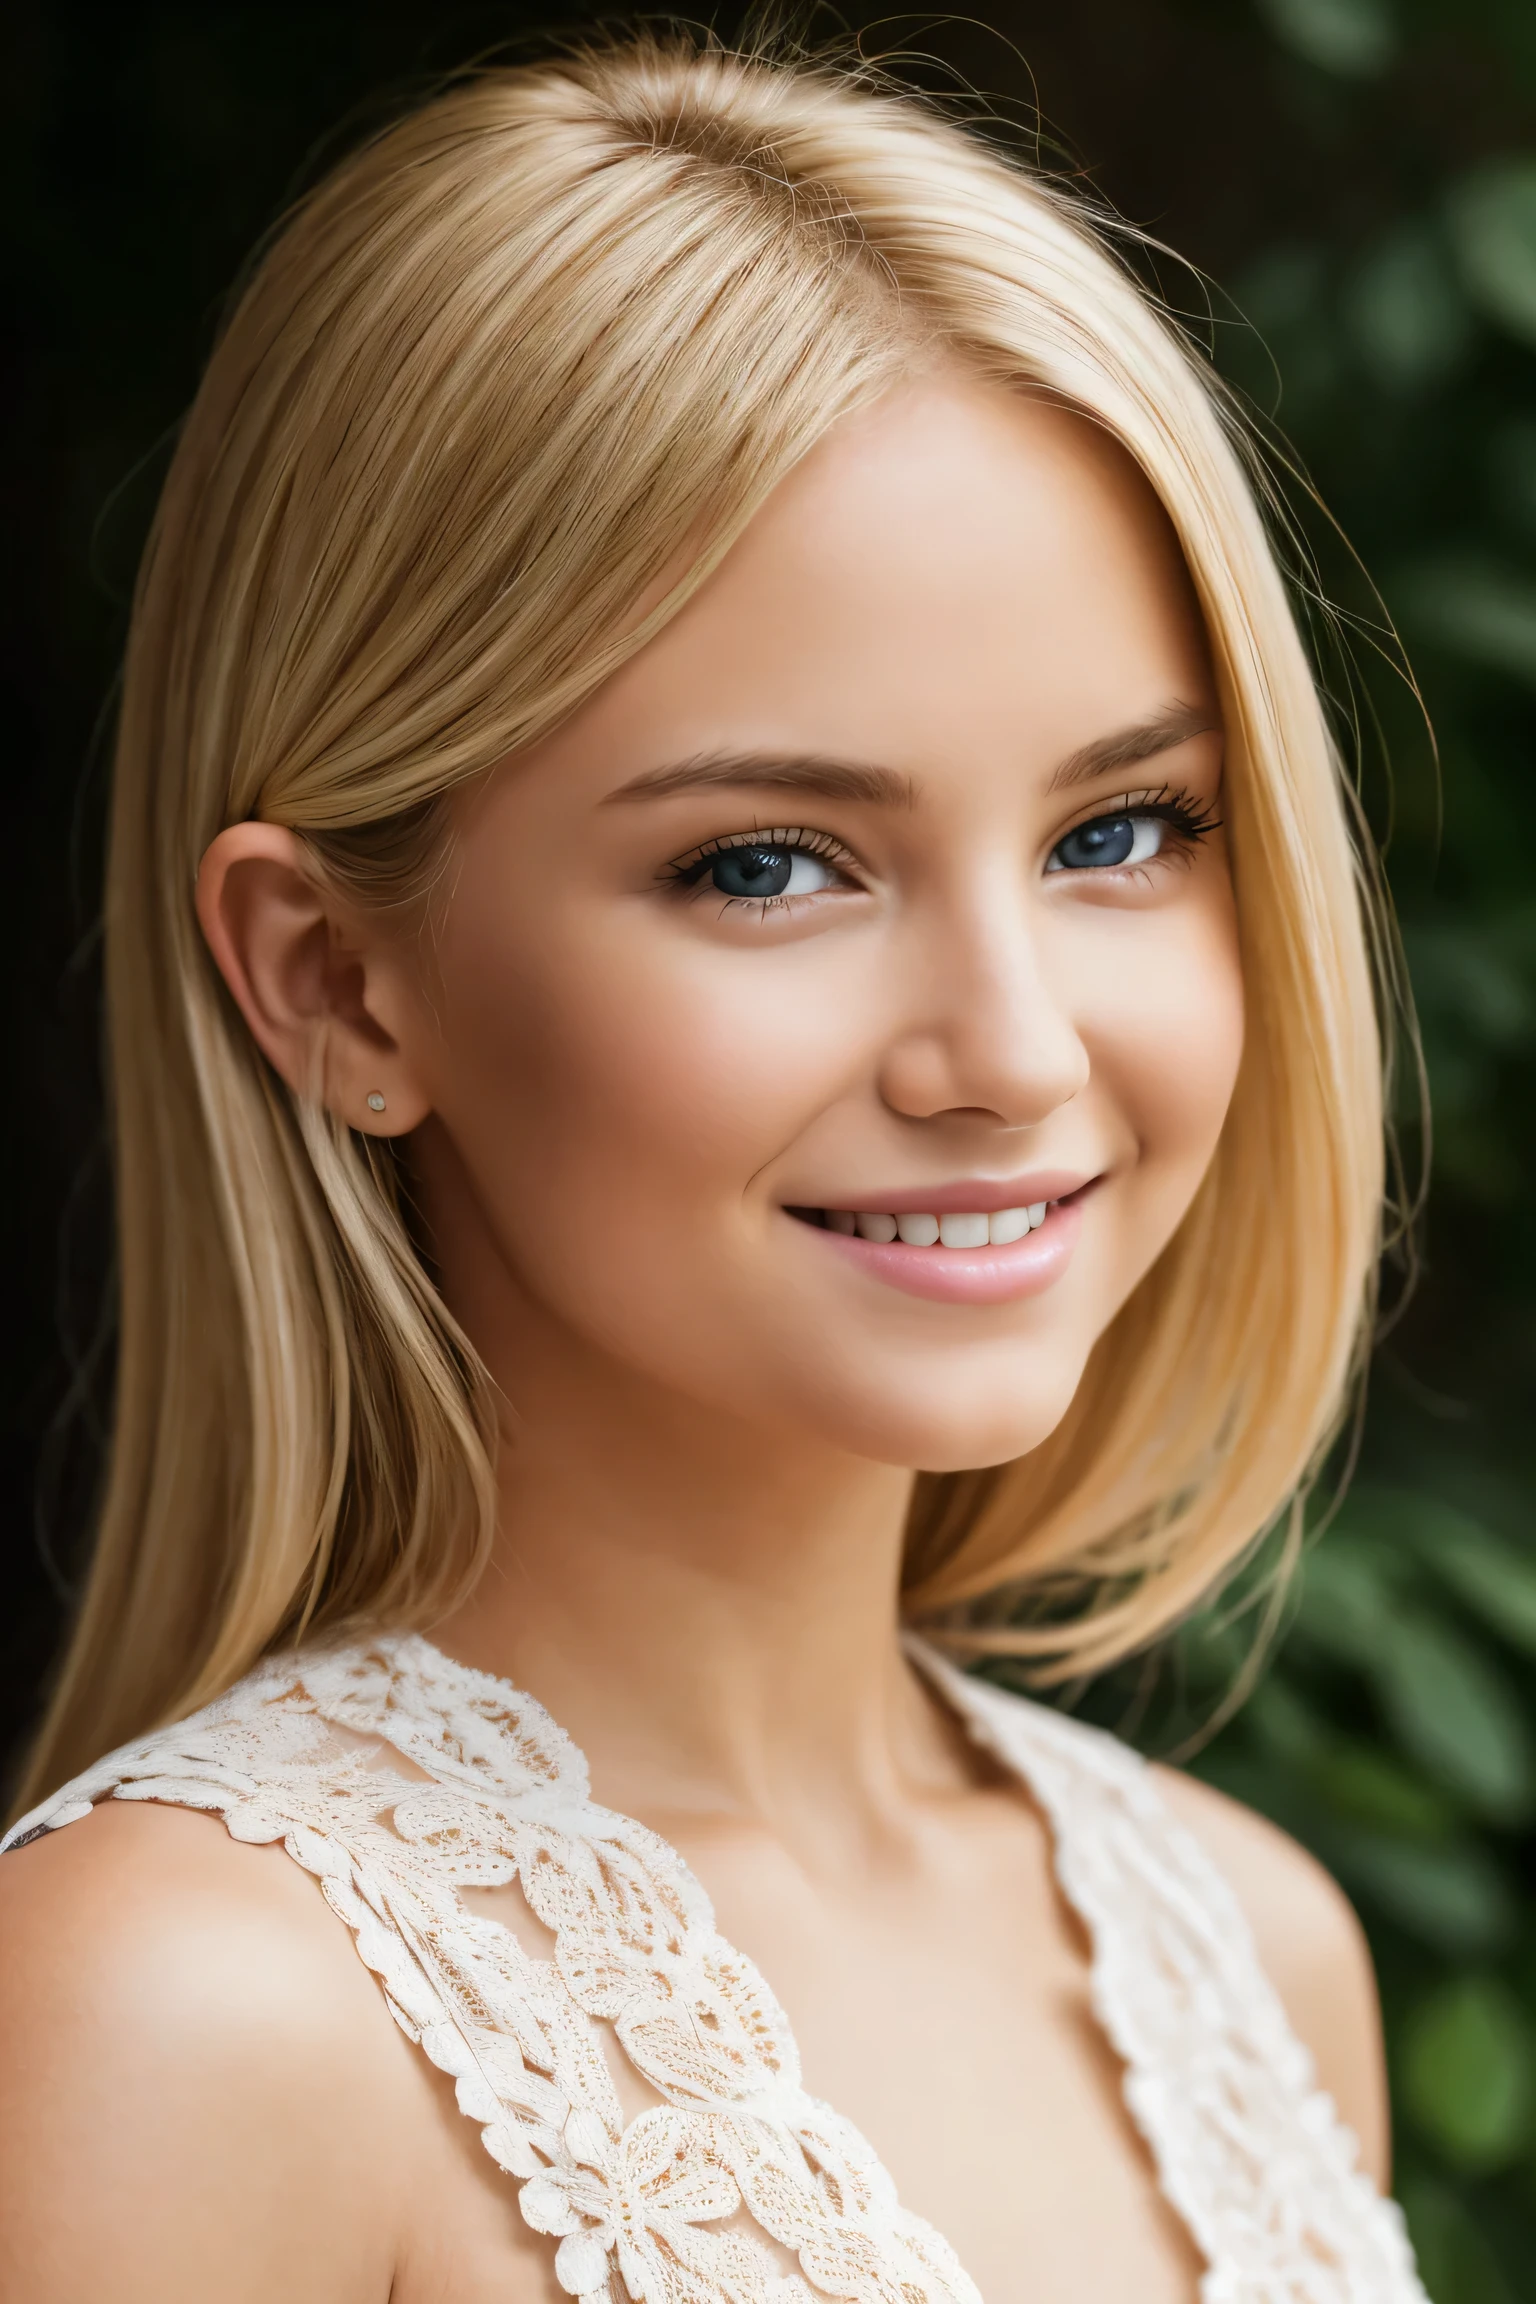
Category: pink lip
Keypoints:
(966, 1275)
(972, 1196)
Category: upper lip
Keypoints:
(971, 1196)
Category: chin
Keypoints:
(933, 1433)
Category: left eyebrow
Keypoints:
(1176, 724)
(797, 772)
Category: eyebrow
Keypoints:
(793, 772)
(859, 780)
(1174, 725)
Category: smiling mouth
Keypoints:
(921, 1228)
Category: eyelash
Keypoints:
(1189, 818)
(685, 874)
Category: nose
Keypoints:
(986, 1035)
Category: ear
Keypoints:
(325, 995)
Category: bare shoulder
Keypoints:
(1310, 1944)
(197, 2086)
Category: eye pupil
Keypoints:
(752, 871)
(1107, 841)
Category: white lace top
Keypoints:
(735, 2183)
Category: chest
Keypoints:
(956, 2030)
(942, 2005)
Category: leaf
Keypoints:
(1279, 1719)
(1511, 470)
(1472, 607)
(1370, 1787)
(1468, 2073)
(1346, 1586)
(1406, 313)
(1212, 1650)
(1450, 1895)
(1495, 1577)
(1491, 1577)
(1493, 230)
(1278, 1793)
(1456, 2263)
(1450, 1707)
(1353, 38)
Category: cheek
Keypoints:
(1165, 1025)
(584, 1061)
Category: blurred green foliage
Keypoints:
(1394, 1732)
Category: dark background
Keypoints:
(1359, 176)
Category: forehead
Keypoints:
(959, 573)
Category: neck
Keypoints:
(710, 1608)
(711, 1611)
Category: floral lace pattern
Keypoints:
(1249, 2151)
(734, 2175)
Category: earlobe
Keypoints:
(308, 979)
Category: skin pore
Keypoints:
(888, 878)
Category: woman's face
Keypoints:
(886, 886)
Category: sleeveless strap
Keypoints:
(1248, 2149)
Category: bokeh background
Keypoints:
(1353, 183)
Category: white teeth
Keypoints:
(882, 1228)
(965, 1230)
(919, 1231)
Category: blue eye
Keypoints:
(1108, 841)
(752, 871)
(758, 871)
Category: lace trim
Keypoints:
(1248, 2149)
(1249, 2152)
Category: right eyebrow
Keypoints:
(825, 779)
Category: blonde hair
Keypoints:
(560, 330)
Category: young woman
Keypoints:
(741, 1019)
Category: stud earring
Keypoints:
(375, 1102)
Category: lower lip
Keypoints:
(968, 1275)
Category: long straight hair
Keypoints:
(558, 332)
